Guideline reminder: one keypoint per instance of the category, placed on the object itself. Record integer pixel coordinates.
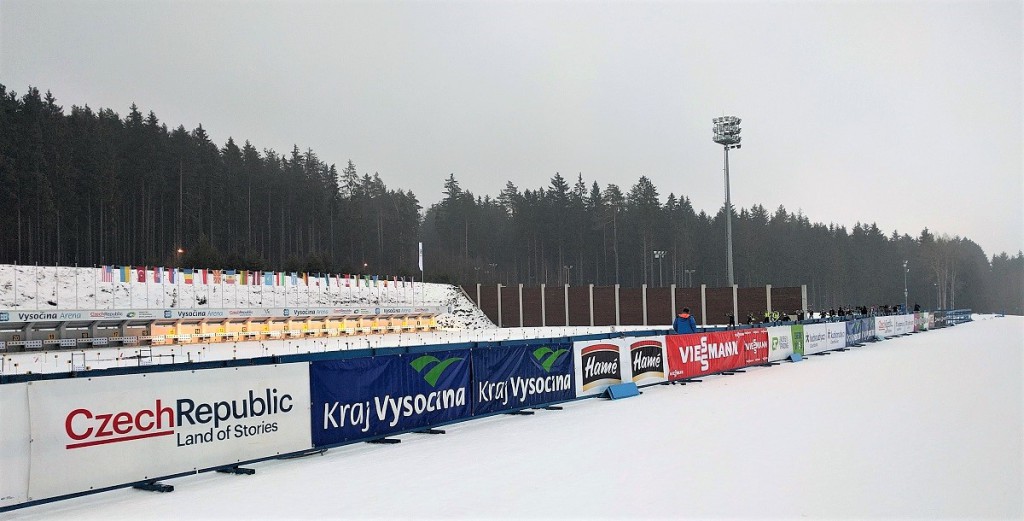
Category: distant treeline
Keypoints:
(89, 188)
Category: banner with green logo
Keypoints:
(798, 339)
(363, 398)
(514, 377)
(780, 343)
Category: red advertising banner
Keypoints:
(754, 344)
(699, 354)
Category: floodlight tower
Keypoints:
(727, 134)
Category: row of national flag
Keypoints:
(160, 275)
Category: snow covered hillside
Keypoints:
(67, 288)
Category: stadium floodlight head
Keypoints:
(727, 131)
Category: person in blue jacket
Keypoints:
(684, 323)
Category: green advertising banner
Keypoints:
(798, 339)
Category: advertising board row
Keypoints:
(76, 435)
(16, 316)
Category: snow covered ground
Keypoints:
(925, 426)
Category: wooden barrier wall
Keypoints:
(613, 305)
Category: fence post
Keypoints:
(735, 304)
(566, 305)
(643, 290)
(520, 305)
(672, 303)
(618, 321)
(543, 310)
(499, 305)
(591, 305)
(803, 297)
(768, 291)
(478, 303)
(704, 305)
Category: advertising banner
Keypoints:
(854, 332)
(15, 440)
(836, 336)
(815, 338)
(780, 340)
(506, 378)
(363, 398)
(754, 343)
(904, 324)
(599, 364)
(885, 327)
(926, 319)
(647, 362)
(706, 353)
(90, 433)
(798, 339)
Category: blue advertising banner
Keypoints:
(506, 378)
(854, 332)
(363, 398)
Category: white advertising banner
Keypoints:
(885, 327)
(908, 324)
(904, 324)
(90, 433)
(15, 440)
(600, 364)
(780, 343)
(647, 361)
(815, 338)
(835, 333)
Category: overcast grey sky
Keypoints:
(908, 114)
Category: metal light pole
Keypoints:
(689, 277)
(727, 134)
(660, 254)
(905, 271)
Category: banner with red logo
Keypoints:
(105, 431)
(699, 354)
(600, 364)
(647, 363)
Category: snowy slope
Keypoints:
(66, 288)
(923, 426)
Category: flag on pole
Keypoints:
(243, 277)
(107, 274)
(268, 279)
(216, 276)
(188, 275)
(421, 256)
(171, 273)
(140, 271)
(156, 274)
(348, 281)
(125, 273)
(206, 275)
(295, 279)
(375, 281)
(305, 278)
(229, 275)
